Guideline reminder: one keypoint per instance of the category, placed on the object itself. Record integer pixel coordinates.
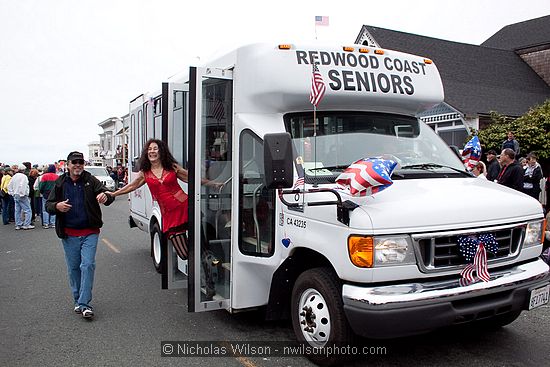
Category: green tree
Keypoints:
(531, 130)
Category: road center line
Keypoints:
(111, 246)
(242, 360)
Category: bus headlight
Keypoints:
(394, 250)
(368, 251)
(533, 234)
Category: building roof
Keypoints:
(531, 33)
(476, 79)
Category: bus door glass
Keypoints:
(137, 198)
(176, 98)
(210, 188)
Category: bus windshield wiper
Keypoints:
(429, 166)
(329, 167)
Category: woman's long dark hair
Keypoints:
(167, 160)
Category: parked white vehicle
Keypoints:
(380, 266)
(102, 175)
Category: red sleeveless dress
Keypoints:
(171, 199)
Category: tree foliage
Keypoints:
(531, 130)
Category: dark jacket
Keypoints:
(511, 176)
(532, 180)
(92, 187)
(493, 169)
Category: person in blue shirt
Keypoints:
(75, 201)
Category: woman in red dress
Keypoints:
(160, 171)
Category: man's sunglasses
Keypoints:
(77, 161)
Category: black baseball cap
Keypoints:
(492, 151)
(75, 155)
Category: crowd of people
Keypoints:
(30, 187)
(524, 174)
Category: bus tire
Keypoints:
(156, 247)
(318, 317)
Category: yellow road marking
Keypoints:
(246, 362)
(242, 360)
(111, 246)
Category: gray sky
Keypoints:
(67, 65)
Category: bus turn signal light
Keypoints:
(361, 251)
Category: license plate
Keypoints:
(539, 297)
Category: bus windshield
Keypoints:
(340, 138)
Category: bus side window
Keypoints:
(256, 202)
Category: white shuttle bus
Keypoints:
(379, 266)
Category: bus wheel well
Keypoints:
(285, 276)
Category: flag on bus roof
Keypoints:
(317, 87)
(367, 176)
(321, 20)
(471, 153)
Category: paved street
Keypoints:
(133, 315)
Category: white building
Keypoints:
(107, 142)
(113, 141)
(94, 149)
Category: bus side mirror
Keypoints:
(278, 161)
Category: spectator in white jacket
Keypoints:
(19, 189)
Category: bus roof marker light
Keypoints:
(285, 47)
(348, 49)
(427, 61)
(364, 50)
(379, 52)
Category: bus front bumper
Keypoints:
(390, 311)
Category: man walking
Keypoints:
(511, 174)
(75, 200)
(18, 188)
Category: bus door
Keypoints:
(174, 127)
(210, 206)
(138, 198)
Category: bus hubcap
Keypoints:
(314, 318)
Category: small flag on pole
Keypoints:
(217, 109)
(317, 87)
(321, 20)
(300, 170)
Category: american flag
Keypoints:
(217, 109)
(367, 176)
(321, 20)
(474, 249)
(317, 87)
(300, 169)
(471, 153)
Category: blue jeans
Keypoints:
(7, 209)
(22, 204)
(47, 218)
(80, 258)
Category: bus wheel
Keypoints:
(318, 315)
(156, 246)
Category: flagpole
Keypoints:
(315, 141)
